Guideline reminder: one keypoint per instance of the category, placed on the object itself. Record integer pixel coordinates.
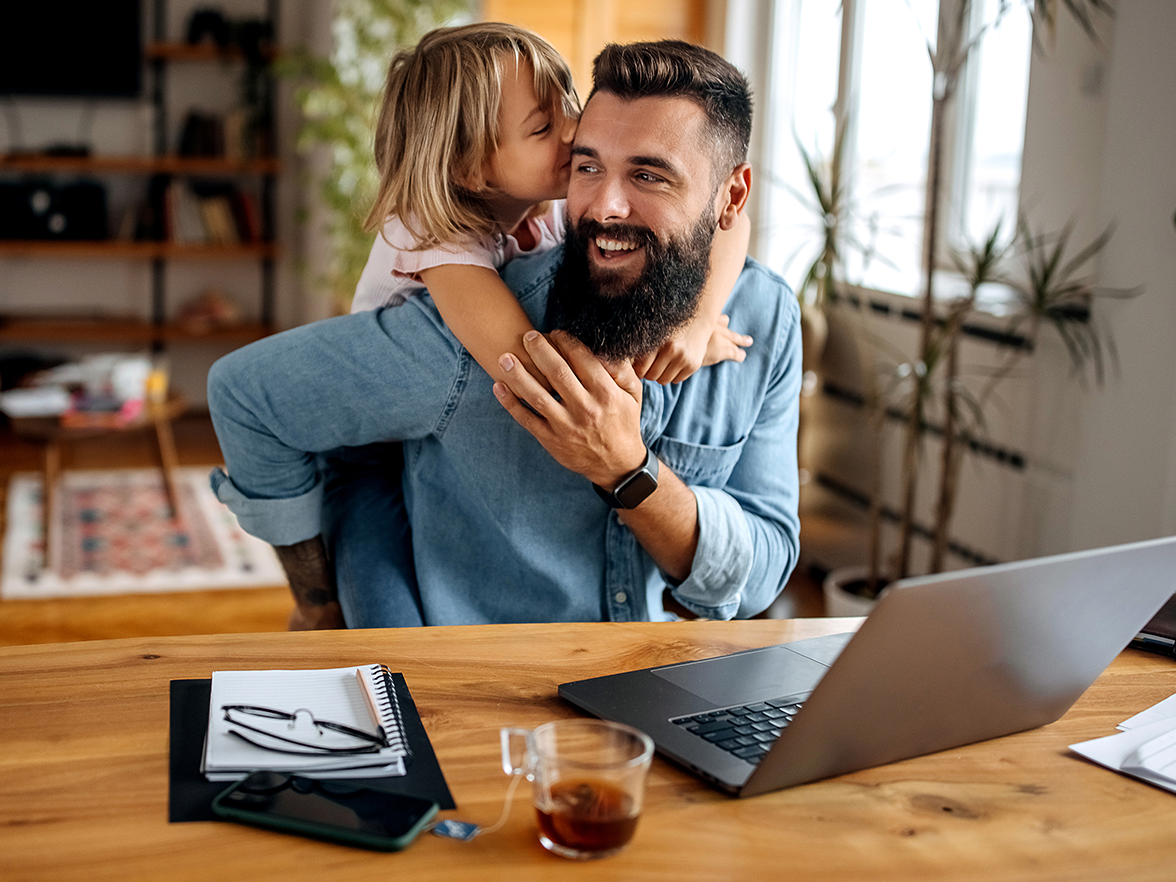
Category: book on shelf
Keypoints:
(219, 223)
(312, 707)
(186, 223)
(245, 215)
(199, 213)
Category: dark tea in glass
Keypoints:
(588, 816)
(588, 782)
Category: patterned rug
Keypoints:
(114, 535)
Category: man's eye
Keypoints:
(647, 177)
(586, 169)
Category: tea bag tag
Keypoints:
(462, 831)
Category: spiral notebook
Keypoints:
(357, 697)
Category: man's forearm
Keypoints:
(666, 525)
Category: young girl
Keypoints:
(473, 141)
(473, 147)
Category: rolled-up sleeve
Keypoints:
(722, 561)
(742, 463)
(276, 521)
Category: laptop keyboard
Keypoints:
(747, 731)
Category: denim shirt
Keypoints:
(501, 532)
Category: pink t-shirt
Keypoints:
(391, 274)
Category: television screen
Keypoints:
(71, 48)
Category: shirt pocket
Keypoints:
(705, 465)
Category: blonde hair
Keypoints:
(438, 125)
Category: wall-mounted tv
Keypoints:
(71, 48)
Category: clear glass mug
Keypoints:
(588, 782)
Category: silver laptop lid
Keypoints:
(960, 657)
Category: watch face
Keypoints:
(636, 489)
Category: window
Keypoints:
(867, 64)
(993, 95)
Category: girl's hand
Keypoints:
(694, 347)
(724, 344)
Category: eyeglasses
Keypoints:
(315, 737)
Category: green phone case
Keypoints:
(223, 806)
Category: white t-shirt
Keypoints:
(391, 274)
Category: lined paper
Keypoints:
(328, 694)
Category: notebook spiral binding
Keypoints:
(389, 706)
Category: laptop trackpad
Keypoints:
(772, 672)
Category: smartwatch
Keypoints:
(635, 487)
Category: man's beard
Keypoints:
(620, 321)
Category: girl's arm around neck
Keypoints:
(481, 311)
(706, 340)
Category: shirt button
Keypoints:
(620, 597)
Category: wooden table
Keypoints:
(54, 432)
(84, 787)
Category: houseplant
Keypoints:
(339, 96)
(834, 211)
(931, 383)
(1053, 296)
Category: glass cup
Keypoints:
(588, 782)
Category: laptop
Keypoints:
(941, 661)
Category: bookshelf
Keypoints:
(246, 232)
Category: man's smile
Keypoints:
(605, 244)
(617, 251)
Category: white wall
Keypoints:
(1125, 471)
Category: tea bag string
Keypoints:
(464, 831)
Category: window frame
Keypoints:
(957, 125)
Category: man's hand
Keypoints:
(594, 428)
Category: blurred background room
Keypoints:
(974, 200)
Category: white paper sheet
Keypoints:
(1166, 709)
(1145, 749)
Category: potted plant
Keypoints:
(1053, 297)
(930, 380)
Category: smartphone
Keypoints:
(334, 810)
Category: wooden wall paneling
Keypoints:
(579, 29)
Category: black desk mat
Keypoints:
(190, 795)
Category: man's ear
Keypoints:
(732, 196)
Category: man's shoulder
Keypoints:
(762, 302)
(759, 279)
(530, 275)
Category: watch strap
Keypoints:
(635, 487)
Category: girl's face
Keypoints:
(533, 160)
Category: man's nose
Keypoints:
(609, 200)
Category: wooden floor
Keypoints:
(198, 612)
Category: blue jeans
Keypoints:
(363, 509)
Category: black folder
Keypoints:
(1159, 634)
(190, 794)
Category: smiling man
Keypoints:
(589, 501)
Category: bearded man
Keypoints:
(581, 495)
